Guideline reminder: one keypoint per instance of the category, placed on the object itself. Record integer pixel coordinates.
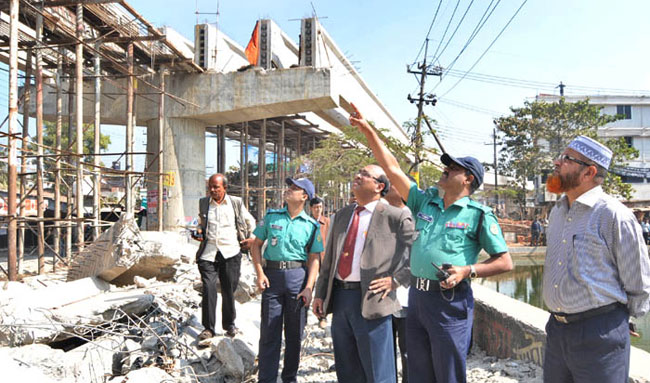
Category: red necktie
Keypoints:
(345, 261)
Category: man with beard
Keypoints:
(452, 230)
(366, 253)
(596, 273)
(286, 280)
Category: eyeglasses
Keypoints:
(364, 173)
(566, 157)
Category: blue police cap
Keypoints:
(470, 163)
(303, 183)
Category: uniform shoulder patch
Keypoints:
(494, 229)
(480, 206)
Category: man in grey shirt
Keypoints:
(596, 273)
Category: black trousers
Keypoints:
(228, 272)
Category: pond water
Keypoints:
(524, 283)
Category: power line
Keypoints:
(446, 30)
(473, 108)
(530, 84)
(481, 23)
(428, 32)
(489, 46)
(454, 33)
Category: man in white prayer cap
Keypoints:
(596, 273)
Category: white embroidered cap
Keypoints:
(593, 150)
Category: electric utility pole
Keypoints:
(496, 164)
(428, 99)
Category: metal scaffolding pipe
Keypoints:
(39, 138)
(261, 170)
(281, 160)
(161, 142)
(79, 60)
(68, 224)
(23, 163)
(245, 191)
(97, 135)
(129, 131)
(13, 125)
(241, 160)
(57, 163)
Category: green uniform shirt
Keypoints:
(450, 236)
(287, 239)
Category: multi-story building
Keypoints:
(635, 127)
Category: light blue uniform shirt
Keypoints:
(287, 239)
(595, 256)
(450, 235)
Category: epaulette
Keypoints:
(479, 206)
(313, 221)
(274, 211)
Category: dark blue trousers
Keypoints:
(363, 349)
(280, 308)
(438, 333)
(593, 350)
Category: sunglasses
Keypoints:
(566, 157)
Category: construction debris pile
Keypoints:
(101, 327)
(128, 310)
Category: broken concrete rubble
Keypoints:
(146, 332)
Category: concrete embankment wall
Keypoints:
(507, 328)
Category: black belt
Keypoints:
(339, 284)
(572, 318)
(424, 284)
(284, 265)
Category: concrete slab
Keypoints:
(507, 328)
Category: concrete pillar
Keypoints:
(184, 157)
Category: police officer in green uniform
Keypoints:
(287, 279)
(452, 230)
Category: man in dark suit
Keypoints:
(365, 260)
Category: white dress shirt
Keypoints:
(364, 221)
(222, 231)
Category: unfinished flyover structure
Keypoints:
(98, 62)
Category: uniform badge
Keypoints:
(425, 217)
(494, 229)
(319, 239)
(274, 241)
(277, 227)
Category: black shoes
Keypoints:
(232, 331)
(204, 338)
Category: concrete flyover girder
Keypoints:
(252, 95)
(214, 98)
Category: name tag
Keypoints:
(456, 225)
(425, 217)
(277, 227)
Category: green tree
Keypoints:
(338, 158)
(49, 139)
(539, 131)
(49, 142)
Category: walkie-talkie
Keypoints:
(442, 274)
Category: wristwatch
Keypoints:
(472, 272)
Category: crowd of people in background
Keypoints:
(395, 269)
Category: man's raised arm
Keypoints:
(384, 157)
